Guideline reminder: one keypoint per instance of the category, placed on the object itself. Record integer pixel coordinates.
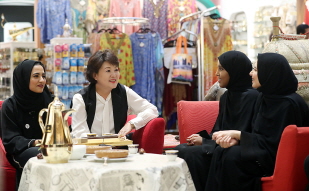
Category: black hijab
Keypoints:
(237, 103)
(238, 65)
(26, 99)
(271, 68)
(277, 107)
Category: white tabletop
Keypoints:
(147, 172)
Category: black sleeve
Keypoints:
(12, 138)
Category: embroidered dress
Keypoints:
(126, 8)
(50, 17)
(94, 40)
(217, 40)
(159, 75)
(120, 44)
(78, 16)
(157, 15)
(97, 9)
(176, 10)
(143, 48)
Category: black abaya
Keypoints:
(277, 107)
(235, 112)
(19, 120)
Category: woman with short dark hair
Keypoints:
(104, 105)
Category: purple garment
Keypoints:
(50, 17)
(157, 24)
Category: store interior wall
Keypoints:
(227, 8)
(17, 14)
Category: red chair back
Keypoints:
(289, 173)
(195, 116)
(150, 137)
(7, 171)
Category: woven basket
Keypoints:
(295, 51)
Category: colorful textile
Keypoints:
(121, 45)
(97, 9)
(50, 18)
(159, 75)
(157, 15)
(78, 19)
(176, 10)
(216, 42)
(144, 65)
(126, 8)
(94, 40)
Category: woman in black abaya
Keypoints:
(235, 112)
(240, 166)
(19, 123)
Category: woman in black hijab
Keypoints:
(235, 112)
(241, 166)
(19, 124)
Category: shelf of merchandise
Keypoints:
(10, 56)
(66, 86)
(239, 32)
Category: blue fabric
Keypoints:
(159, 75)
(144, 65)
(50, 18)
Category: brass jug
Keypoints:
(56, 145)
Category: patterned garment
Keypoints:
(217, 40)
(143, 48)
(159, 75)
(94, 40)
(97, 9)
(126, 8)
(78, 19)
(176, 10)
(50, 18)
(121, 45)
(157, 15)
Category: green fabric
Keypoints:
(209, 4)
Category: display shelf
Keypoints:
(67, 60)
(239, 31)
(11, 54)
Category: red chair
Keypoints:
(289, 174)
(7, 171)
(150, 137)
(195, 116)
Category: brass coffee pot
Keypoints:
(56, 145)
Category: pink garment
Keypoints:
(126, 8)
(176, 10)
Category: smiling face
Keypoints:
(108, 76)
(37, 79)
(254, 76)
(223, 76)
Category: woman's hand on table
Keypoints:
(126, 129)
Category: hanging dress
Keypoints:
(217, 40)
(120, 44)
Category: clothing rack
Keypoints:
(177, 33)
(125, 21)
(200, 48)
